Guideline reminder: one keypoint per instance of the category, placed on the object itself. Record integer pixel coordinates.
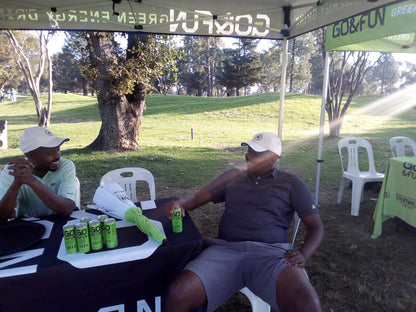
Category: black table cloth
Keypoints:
(36, 280)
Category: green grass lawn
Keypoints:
(186, 141)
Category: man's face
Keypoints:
(45, 159)
(260, 163)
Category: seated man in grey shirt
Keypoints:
(251, 249)
(41, 183)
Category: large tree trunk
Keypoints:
(120, 115)
(120, 121)
(335, 128)
(84, 87)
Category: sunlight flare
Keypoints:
(382, 109)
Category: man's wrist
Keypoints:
(16, 183)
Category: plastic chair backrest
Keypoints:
(353, 145)
(401, 145)
(78, 198)
(128, 177)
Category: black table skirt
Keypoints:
(58, 286)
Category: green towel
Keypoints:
(143, 223)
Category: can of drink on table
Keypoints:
(83, 238)
(69, 238)
(94, 229)
(102, 218)
(110, 233)
(177, 220)
(85, 219)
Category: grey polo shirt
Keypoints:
(260, 208)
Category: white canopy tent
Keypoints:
(273, 19)
(264, 19)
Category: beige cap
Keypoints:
(265, 141)
(36, 137)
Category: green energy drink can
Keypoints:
(101, 218)
(110, 233)
(85, 219)
(177, 220)
(83, 238)
(70, 239)
(94, 229)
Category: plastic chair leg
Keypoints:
(341, 190)
(356, 195)
(257, 304)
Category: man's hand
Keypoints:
(187, 203)
(22, 170)
(295, 258)
(170, 206)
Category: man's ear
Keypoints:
(275, 157)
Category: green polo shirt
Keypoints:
(61, 182)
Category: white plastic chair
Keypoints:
(402, 146)
(128, 177)
(78, 198)
(353, 172)
(258, 304)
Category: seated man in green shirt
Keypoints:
(40, 184)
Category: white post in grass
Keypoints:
(321, 127)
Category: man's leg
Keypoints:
(186, 293)
(295, 293)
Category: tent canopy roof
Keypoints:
(272, 19)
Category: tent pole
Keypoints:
(282, 87)
(321, 126)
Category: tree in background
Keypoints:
(241, 67)
(271, 68)
(408, 76)
(383, 75)
(66, 72)
(346, 72)
(9, 71)
(122, 78)
(299, 68)
(191, 67)
(31, 55)
(74, 57)
(197, 68)
(167, 79)
(317, 73)
(316, 60)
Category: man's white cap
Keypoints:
(36, 137)
(265, 141)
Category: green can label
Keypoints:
(177, 220)
(110, 233)
(94, 229)
(83, 238)
(70, 238)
